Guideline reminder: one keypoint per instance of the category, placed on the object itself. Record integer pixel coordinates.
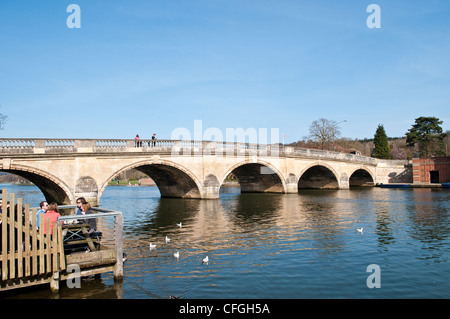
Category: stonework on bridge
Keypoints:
(65, 169)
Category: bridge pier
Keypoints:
(211, 187)
(210, 193)
(344, 184)
(344, 181)
(291, 188)
(86, 187)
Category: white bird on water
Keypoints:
(180, 224)
(176, 255)
(167, 239)
(205, 260)
(152, 246)
(360, 230)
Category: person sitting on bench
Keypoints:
(93, 232)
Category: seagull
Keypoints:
(180, 224)
(360, 230)
(167, 239)
(176, 255)
(205, 260)
(152, 246)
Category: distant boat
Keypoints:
(446, 185)
(395, 185)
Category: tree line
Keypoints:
(425, 138)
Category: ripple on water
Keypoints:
(282, 246)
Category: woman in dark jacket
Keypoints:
(86, 210)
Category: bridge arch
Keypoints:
(318, 176)
(361, 177)
(172, 179)
(258, 176)
(54, 189)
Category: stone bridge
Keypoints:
(65, 169)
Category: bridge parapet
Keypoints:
(339, 156)
(55, 146)
(17, 146)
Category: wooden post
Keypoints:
(12, 260)
(34, 241)
(41, 244)
(4, 226)
(54, 283)
(19, 238)
(27, 241)
(62, 259)
(48, 245)
(118, 237)
(55, 247)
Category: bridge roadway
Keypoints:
(65, 169)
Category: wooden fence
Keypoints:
(28, 256)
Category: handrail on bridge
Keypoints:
(19, 146)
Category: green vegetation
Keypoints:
(424, 139)
(427, 134)
(381, 145)
(116, 182)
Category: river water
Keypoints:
(274, 246)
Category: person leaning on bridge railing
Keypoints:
(137, 143)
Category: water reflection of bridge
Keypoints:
(210, 225)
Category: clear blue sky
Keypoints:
(144, 67)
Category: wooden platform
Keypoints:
(92, 262)
(29, 257)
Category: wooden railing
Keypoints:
(28, 256)
(11, 146)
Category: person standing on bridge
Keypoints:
(137, 143)
(154, 140)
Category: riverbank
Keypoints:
(412, 185)
(152, 183)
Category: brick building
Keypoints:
(431, 170)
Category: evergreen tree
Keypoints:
(380, 141)
(428, 135)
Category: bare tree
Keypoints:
(323, 132)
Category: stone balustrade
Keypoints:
(16, 146)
